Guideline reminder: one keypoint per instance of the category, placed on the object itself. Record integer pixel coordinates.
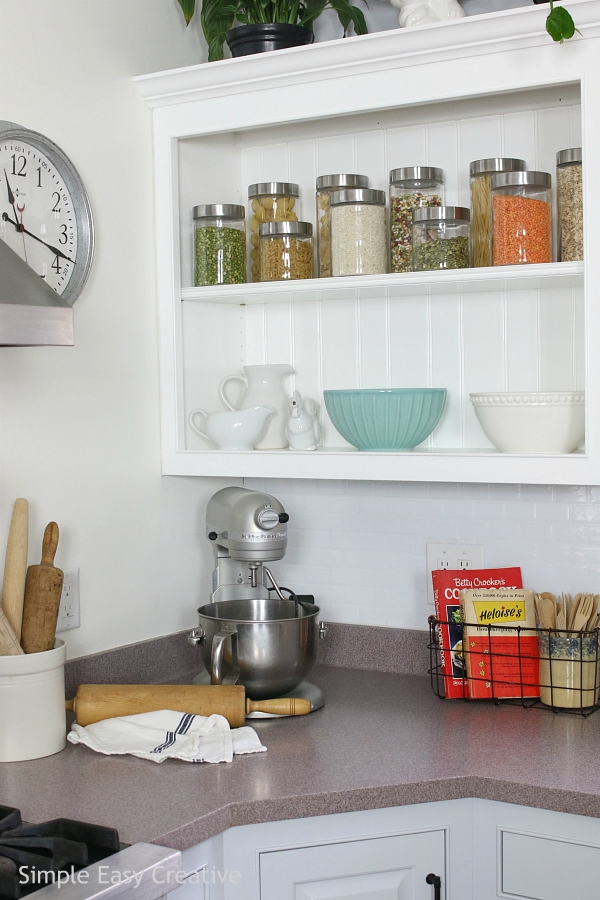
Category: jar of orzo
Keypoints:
(271, 201)
(325, 185)
(358, 232)
(521, 218)
(410, 189)
(286, 251)
(481, 171)
(441, 238)
(569, 190)
(219, 244)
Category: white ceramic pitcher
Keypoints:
(264, 387)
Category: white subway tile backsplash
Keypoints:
(359, 547)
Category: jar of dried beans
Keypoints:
(286, 251)
(271, 201)
(358, 232)
(481, 171)
(325, 185)
(441, 238)
(410, 188)
(219, 244)
(521, 218)
(569, 190)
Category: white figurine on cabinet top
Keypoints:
(427, 11)
(303, 430)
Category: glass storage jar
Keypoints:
(521, 218)
(325, 185)
(219, 244)
(286, 251)
(480, 172)
(271, 201)
(569, 191)
(410, 189)
(441, 238)
(358, 233)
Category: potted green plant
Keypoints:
(265, 24)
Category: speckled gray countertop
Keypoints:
(381, 740)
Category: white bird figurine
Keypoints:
(424, 12)
(303, 430)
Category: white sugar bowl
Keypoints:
(237, 429)
(532, 422)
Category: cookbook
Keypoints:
(447, 583)
(501, 661)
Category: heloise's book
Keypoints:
(501, 662)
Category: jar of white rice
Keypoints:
(358, 232)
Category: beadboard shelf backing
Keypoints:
(487, 89)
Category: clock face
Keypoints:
(45, 215)
(37, 218)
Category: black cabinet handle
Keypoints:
(436, 881)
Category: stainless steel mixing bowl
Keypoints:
(261, 643)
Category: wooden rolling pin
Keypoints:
(43, 588)
(15, 567)
(95, 702)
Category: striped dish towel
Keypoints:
(166, 734)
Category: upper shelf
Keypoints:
(409, 283)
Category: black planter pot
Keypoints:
(243, 40)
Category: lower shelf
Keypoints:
(418, 465)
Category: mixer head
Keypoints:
(249, 525)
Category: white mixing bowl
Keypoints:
(534, 422)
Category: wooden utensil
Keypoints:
(592, 619)
(584, 612)
(9, 645)
(95, 702)
(15, 566)
(574, 608)
(547, 611)
(43, 588)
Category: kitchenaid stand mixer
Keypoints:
(253, 631)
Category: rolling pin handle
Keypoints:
(70, 705)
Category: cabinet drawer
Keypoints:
(548, 868)
(384, 868)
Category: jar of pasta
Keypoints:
(410, 189)
(271, 201)
(325, 185)
(521, 218)
(441, 238)
(481, 171)
(219, 244)
(358, 232)
(569, 191)
(286, 251)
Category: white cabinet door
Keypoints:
(383, 868)
(548, 868)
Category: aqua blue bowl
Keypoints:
(387, 419)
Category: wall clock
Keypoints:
(45, 213)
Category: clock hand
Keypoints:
(55, 250)
(11, 200)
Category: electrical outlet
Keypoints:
(452, 556)
(68, 612)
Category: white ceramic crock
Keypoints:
(32, 704)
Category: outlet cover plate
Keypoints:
(452, 556)
(68, 611)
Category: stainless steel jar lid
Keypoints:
(496, 164)
(442, 214)
(273, 188)
(357, 195)
(297, 228)
(524, 179)
(427, 176)
(219, 211)
(568, 157)
(329, 182)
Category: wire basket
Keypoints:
(549, 669)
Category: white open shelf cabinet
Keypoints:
(440, 95)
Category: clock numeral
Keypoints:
(63, 235)
(22, 161)
(56, 207)
(39, 171)
(56, 265)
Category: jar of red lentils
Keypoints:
(521, 218)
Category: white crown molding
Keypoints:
(459, 38)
